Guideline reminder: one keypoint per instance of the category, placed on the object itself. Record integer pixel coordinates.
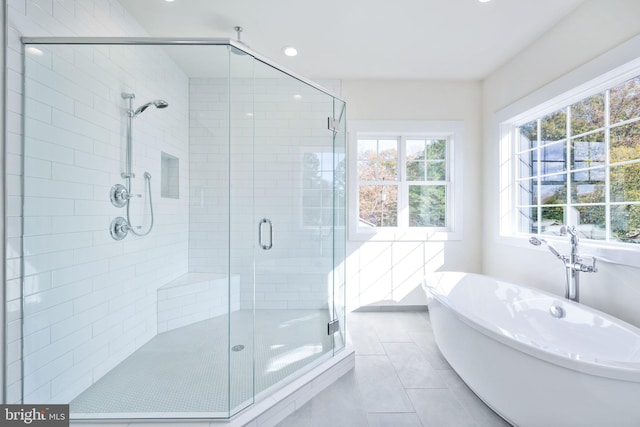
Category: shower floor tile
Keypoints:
(185, 370)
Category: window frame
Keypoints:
(613, 68)
(401, 131)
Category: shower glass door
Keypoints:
(293, 184)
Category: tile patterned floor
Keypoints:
(400, 379)
(185, 370)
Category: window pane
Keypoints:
(415, 149)
(528, 135)
(624, 101)
(436, 171)
(625, 183)
(588, 151)
(592, 222)
(527, 192)
(553, 190)
(436, 149)
(427, 206)
(553, 158)
(378, 205)
(366, 171)
(415, 171)
(526, 165)
(625, 223)
(625, 143)
(595, 174)
(377, 160)
(388, 159)
(528, 220)
(367, 149)
(588, 186)
(553, 127)
(552, 220)
(587, 115)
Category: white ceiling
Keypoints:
(353, 39)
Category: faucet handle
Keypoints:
(588, 268)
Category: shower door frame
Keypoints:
(156, 41)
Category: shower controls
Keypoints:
(119, 228)
(262, 222)
(119, 196)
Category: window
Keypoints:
(580, 165)
(322, 188)
(403, 180)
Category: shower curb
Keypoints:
(266, 412)
(284, 402)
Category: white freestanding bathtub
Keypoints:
(535, 358)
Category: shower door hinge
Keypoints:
(333, 124)
(333, 327)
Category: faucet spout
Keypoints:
(573, 264)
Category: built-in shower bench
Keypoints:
(194, 297)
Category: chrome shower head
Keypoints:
(158, 103)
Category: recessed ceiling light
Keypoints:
(484, 1)
(297, 97)
(290, 51)
(169, 1)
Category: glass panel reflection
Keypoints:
(625, 183)
(588, 186)
(588, 151)
(625, 223)
(592, 222)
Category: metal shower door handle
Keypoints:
(262, 222)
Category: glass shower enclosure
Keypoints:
(184, 227)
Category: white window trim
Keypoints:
(454, 131)
(616, 66)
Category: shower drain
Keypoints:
(238, 347)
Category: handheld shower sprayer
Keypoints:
(158, 103)
(535, 241)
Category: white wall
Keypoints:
(89, 301)
(390, 273)
(591, 30)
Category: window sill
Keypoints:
(604, 252)
(404, 235)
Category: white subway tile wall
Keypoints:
(69, 256)
(88, 301)
(51, 112)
